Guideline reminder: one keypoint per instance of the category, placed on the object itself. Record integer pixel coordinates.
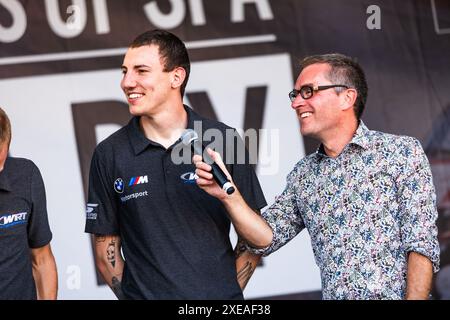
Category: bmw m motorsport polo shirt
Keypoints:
(23, 225)
(175, 237)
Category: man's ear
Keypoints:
(348, 98)
(178, 76)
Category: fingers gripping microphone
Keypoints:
(190, 137)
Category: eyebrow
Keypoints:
(136, 66)
(305, 84)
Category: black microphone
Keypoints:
(190, 137)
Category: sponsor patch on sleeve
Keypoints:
(91, 211)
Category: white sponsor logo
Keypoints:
(134, 196)
(189, 177)
(91, 211)
(12, 219)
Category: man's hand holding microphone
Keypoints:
(248, 224)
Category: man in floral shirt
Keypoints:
(366, 198)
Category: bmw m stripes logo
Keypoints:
(138, 180)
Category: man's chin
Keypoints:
(307, 132)
(135, 110)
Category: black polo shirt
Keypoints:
(175, 237)
(23, 225)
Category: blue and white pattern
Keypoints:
(364, 210)
(119, 185)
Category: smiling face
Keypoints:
(147, 86)
(321, 112)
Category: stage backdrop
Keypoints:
(59, 82)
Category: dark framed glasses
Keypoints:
(307, 91)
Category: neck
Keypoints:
(336, 140)
(166, 126)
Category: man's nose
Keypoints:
(298, 102)
(128, 80)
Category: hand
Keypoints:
(205, 178)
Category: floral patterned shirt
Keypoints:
(364, 211)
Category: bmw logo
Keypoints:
(118, 185)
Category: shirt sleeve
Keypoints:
(417, 200)
(101, 209)
(39, 233)
(283, 217)
(244, 176)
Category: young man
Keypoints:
(174, 237)
(366, 198)
(27, 265)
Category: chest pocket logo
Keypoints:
(189, 177)
(118, 185)
(138, 180)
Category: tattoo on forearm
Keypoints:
(99, 238)
(240, 248)
(111, 252)
(116, 287)
(245, 274)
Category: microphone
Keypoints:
(190, 137)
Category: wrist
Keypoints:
(229, 199)
(417, 296)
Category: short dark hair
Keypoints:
(344, 70)
(171, 49)
(5, 128)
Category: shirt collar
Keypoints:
(361, 138)
(192, 117)
(137, 138)
(4, 180)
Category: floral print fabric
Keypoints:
(364, 211)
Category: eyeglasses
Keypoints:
(307, 91)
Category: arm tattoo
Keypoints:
(245, 274)
(116, 287)
(240, 248)
(99, 238)
(111, 252)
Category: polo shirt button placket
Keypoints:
(166, 164)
